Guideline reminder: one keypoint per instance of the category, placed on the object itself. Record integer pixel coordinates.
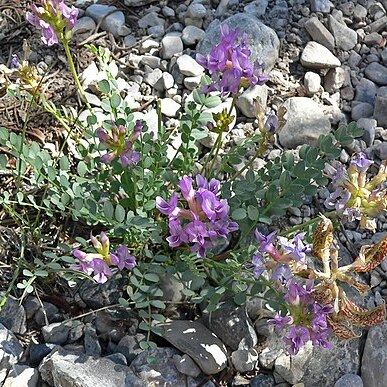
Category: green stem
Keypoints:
(74, 73)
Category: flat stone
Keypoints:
(262, 40)
(192, 35)
(262, 380)
(113, 23)
(244, 360)
(316, 56)
(304, 122)
(22, 375)
(38, 351)
(56, 333)
(320, 33)
(312, 82)
(85, 24)
(362, 110)
(246, 101)
(151, 19)
(349, 380)
(379, 24)
(62, 369)
(186, 365)
(169, 107)
(170, 46)
(323, 6)
(334, 79)
(161, 371)
(369, 126)
(196, 11)
(13, 315)
(188, 66)
(366, 91)
(345, 37)
(377, 73)
(194, 339)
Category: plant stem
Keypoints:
(74, 73)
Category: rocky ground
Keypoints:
(328, 66)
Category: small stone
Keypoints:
(169, 107)
(377, 73)
(129, 346)
(192, 35)
(244, 360)
(366, 91)
(334, 79)
(359, 12)
(380, 110)
(129, 40)
(156, 31)
(323, 6)
(56, 333)
(13, 315)
(192, 82)
(320, 33)
(316, 56)
(262, 380)
(186, 365)
(312, 82)
(246, 101)
(196, 11)
(381, 150)
(151, 61)
(372, 39)
(38, 351)
(170, 46)
(22, 375)
(345, 38)
(151, 19)
(369, 126)
(188, 66)
(152, 77)
(168, 11)
(378, 24)
(113, 23)
(147, 45)
(362, 110)
(165, 82)
(85, 24)
(91, 342)
(349, 380)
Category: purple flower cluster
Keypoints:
(54, 18)
(280, 258)
(98, 264)
(354, 198)
(307, 320)
(205, 219)
(229, 64)
(119, 145)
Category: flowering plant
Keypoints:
(172, 213)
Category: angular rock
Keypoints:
(378, 24)
(85, 24)
(345, 37)
(151, 19)
(129, 346)
(381, 150)
(246, 101)
(262, 380)
(91, 342)
(361, 110)
(323, 6)
(194, 339)
(169, 107)
(57, 333)
(380, 110)
(191, 35)
(366, 91)
(161, 371)
(38, 351)
(196, 11)
(349, 380)
(137, 3)
(377, 73)
(114, 23)
(171, 45)
(188, 66)
(233, 326)
(62, 369)
(304, 122)
(244, 360)
(152, 77)
(320, 33)
(22, 375)
(13, 315)
(334, 79)
(316, 56)
(262, 40)
(326, 367)
(10, 351)
(369, 126)
(186, 366)
(312, 82)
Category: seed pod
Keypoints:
(323, 238)
(341, 330)
(371, 256)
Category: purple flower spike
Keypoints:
(258, 263)
(281, 273)
(266, 243)
(361, 162)
(123, 259)
(280, 322)
(168, 208)
(297, 337)
(337, 200)
(186, 188)
(178, 235)
(101, 270)
(296, 247)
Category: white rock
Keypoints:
(152, 77)
(334, 79)
(171, 45)
(113, 23)
(246, 101)
(312, 82)
(169, 107)
(192, 35)
(165, 82)
(188, 66)
(316, 56)
(22, 375)
(191, 82)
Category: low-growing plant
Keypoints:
(165, 214)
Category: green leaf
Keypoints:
(152, 277)
(120, 213)
(158, 304)
(3, 161)
(240, 298)
(91, 120)
(104, 86)
(108, 210)
(239, 214)
(64, 163)
(3, 134)
(82, 168)
(252, 212)
(115, 101)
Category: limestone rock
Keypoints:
(114, 22)
(312, 83)
(345, 37)
(316, 56)
(320, 33)
(171, 45)
(246, 100)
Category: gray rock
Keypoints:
(129, 40)
(349, 380)
(380, 111)
(312, 82)
(233, 326)
(374, 361)
(169, 107)
(170, 46)
(91, 342)
(320, 6)
(262, 40)
(98, 295)
(84, 25)
(186, 366)
(151, 61)
(361, 110)
(152, 77)
(117, 358)
(304, 122)
(326, 367)
(292, 367)
(165, 82)
(129, 346)
(194, 339)
(137, 3)
(22, 375)
(262, 380)
(345, 38)
(366, 91)
(156, 31)
(381, 150)
(188, 66)
(377, 73)
(62, 332)
(192, 82)
(244, 360)
(13, 315)
(63, 369)
(113, 23)
(257, 7)
(161, 371)
(369, 126)
(334, 79)
(359, 12)
(10, 351)
(38, 351)
(168, 11)
(192, 35)
(151, 19)
(378, 24)
(196, 11)
(246, 101)
(320, 33)
(316, 56)
(354, 60)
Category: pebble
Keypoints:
(320, 33)
(351, 380)
(246, 101)
(262, 380)
(366, 91)
(323, 6)
(84, 25)
(361, 110)
(345, 37)
(196, 11)
(188, 66)
(114, 23)
(334, 79)
(191, 35)
(316, 56)
(369, 126)
(129, 40)
(244, 360)
(169, 107)
(377, 73)
(381, 150)
(186, 365)
(151, 19)
(170, 46)
(312, 82)
(380, 111)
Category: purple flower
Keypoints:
(280, 322)
(122, 258)
(213, 185)
(361, 162)
(69, 14)
(178, 235)
(297, 294)
(351, 214)
(258, 263)
(281, 273)
(320, 339)
(15, 61)
(297, 248)
(266, 243)
(101, 270)
(338, 199)
(230, 82)
(168, 208)
(271, 123)
(185, 185)
(297, 337)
